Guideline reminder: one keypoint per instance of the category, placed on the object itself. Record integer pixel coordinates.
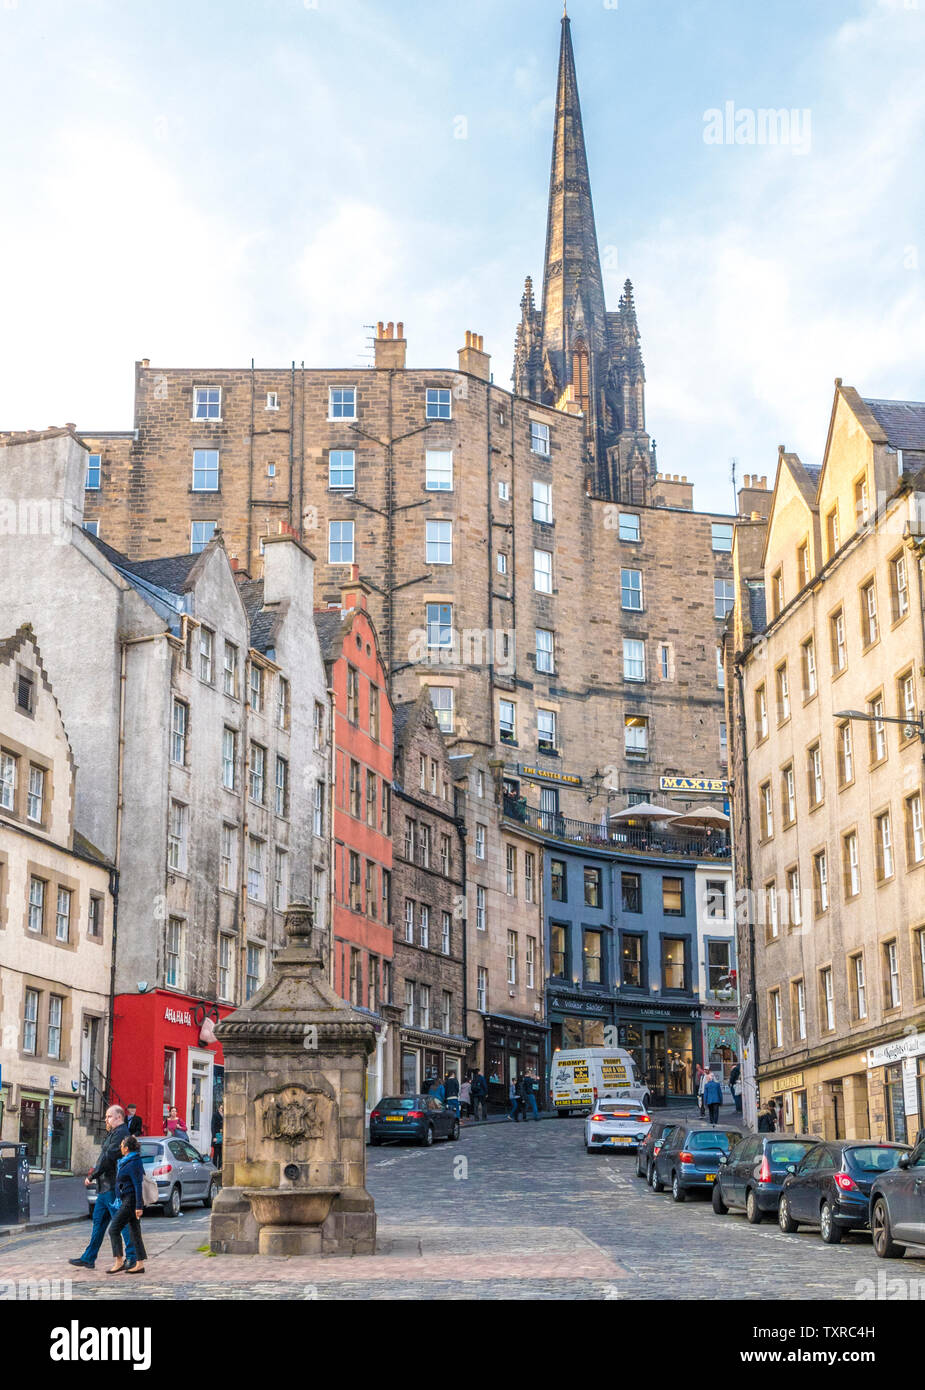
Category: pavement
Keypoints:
(511, 1210)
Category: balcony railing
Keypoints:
(622, 839)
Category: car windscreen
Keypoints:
(876, 1159)
(619, 1107)
(708, 1139)
(780, 1155)
(399, 1103)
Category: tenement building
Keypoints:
(826, 661)
(57, 911)
(197, 710)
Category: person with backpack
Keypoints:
(479, 1097)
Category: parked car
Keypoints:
(182, 1174)
(421, 1118)
(645, 1154)
(690, 1157)
(753, 1173)
(617, 1124)
(897, 1205)
(830, 1187)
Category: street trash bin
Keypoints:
(14, 1184)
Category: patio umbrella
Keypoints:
(704, 816)
(644, 810)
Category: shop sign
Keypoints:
(910, 1086)
(669, 1013)
(579, 1006)
(694, 784)
(178, 1016)
(912, 1045)
(540, 774)
(793, 1082)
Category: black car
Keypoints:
(830, 1187)
(753, 1173)
(897, 1205)
(690, 1157)
(421, 1118)
(654, 1140)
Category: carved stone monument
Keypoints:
(294, 1153)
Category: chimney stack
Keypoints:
(473, 358)
(390, 346)
(354, 593)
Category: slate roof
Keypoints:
(330, 625)
(170, 573)
(903, 422)
(401, 716)
(263, 622)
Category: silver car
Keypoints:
(182, 1174)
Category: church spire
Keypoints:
(572, 267)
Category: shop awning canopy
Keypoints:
(703, 816)
(644, 810)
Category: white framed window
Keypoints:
(35, 801)
(446, 1011)
(636, 735)
(504, 492)
(318, 726)
(280, 879)
(870, 627)
(628, 524)
(173, 953)
(342, 468)
(255, 689)
(723, 740)
(796, 902)
(545, 650)
(507, 721)
(340, 542)
(783, 693)
(272, 400)
(542, 571)
(30, 1021)
(767, 811)
(480, 841)
(438, 470)
(229, 759)
(423, 1006)
(852, 865)
(445, 932)
(821, 871)
(439, 625)
(205, 470)
(809, 668)
(480, 908)
(93, 478)
(916, 830)
(884, 846)
(206, 645)
(761, 712)
(481, 991)
(800, 991)
(256, 773)
(318, 809)
(256, 869)
(720, 670)
(723, 597)
(177, 837)
(530, 963)
(36, 904)
(282, 702)
(439, 403)
(721, 535)
(539, 438)
(631, 590)
(282, 786)
(891, 964)
(839, 646)
(63, 915)
(634, 659)
(228, 862)
(200, 533)
(542, 501)
(253, 977)
(664, 661)
(480, 783)
(877, 731)
(95, 917)
(773, 912)
(860, 987)
(512, 957)
(424, 924)
(790, 796)
(777, 1022)
(502, 562)
(178, 733)
(408, 1015)
(529, 877)
(225, 956)
(342, 403)
(409, 920)
(899, 587)
(816, 787)
(438, 543)
(55, 1014)
(546, 730)
(510, 864)
(92, 528)
(230, 670)
(207, 402)
(441, 697)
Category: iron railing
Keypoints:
(619, 839)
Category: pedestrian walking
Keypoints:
(104, 1175)
(465, 1097)
(767, 1120)
(175, 1125)
(479, 1096)
(130, 1173)
(515, 1099)
(437, 1089)
(529, 1085)
(735, 1088)
(451, 1091)
(700, 1089)
(713, 1097)
(134, 1120)
(218, 1127)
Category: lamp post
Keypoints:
(914, 725)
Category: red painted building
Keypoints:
(361, 930)
(167, 1056)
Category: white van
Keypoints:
(579, 1077)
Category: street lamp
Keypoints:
(910, 726)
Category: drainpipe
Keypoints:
(332, 770)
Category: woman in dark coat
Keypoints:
(129, 1174)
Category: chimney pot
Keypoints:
(380, 329)
(401, 330)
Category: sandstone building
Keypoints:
(826, 661)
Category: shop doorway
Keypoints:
(89, 1054)
(409, 1073)
(199, 1104)
(654, 1063)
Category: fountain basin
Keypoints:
(291, 1206)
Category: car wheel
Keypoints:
(172, 1207)
(884, 1244)
(719, 1206)
(657, 1184)
(212, 1193)
(374, 1141)
(561, 1113)
(427, 1138)
(640, 1167)
(784, 1220)
(677, 1191)
(454, 1132)
(589, 1149)
(829, 1228)
(752, 1209)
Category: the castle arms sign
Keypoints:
(703, 785)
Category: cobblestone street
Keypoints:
(511, 1211)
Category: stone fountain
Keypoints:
(294, 1153)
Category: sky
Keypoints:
(203, 183)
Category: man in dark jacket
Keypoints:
(767, 1120)
(479, 1097)
(528, 1089)
(451, 1091)
(133, 1120)
(104, 1174)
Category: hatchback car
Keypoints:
(753, 1173)
(830, 1187)
(690, 1158)
(897, 1205)
(182, 1174)
(419, 1118)
(645, 1154)
(616, 1124)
